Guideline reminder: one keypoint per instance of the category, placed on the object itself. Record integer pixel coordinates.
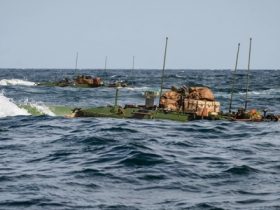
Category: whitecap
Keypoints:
(7, 82)
(39, 106)
(9, 108)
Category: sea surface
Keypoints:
(51, 162)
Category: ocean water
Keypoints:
(50, 162)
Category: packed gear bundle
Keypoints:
(197, 100)
(88, 80)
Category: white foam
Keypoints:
(8, 108)
(179, 76)
(139, 88)
(40, 107)
(272, 91)
(6, 82)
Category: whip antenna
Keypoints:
(76, 65)
(247, 86)
(233, 79)
(163, 68)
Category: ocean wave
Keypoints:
(56, 163)
(9, 108)
(176, 76)
(266, 93)
(272, 91)
(7, 82)
(39, 107)
(141, 159)
(179, 76)
(141, 88)
(242, 170)
(208, 206)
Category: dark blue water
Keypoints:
(89, 163)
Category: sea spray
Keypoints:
(138, 88)
(7, 82)
(39, 107)
(9, 108)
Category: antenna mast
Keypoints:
(247, 86)
(105, 68)
(132, 77)
(163, 68)
(133, 63)
(76, 65)
(233, 79)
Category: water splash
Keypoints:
(138, 88)
(9, 108)
(7, 82)
(38, 107)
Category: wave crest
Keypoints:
(38, 108)
(9, 108)
(7, 82)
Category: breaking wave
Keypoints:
(9, 108)
(38, 107)
(7, 82)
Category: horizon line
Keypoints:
(158, 69)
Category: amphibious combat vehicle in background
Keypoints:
(83, 81)
(79, 81)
